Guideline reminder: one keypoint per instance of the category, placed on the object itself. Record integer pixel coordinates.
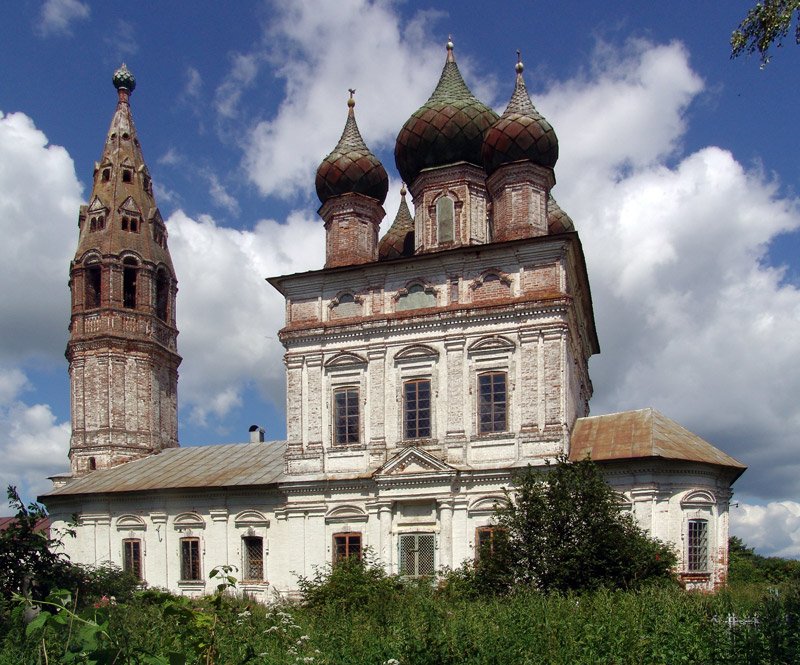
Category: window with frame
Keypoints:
(346, 545)
(445, 219)
(190, 559)
(487, 540)
(492, 402)
(417, 409)
(132, 557)
(697, 546)
(417, 554)
(253, 559)
(346, 415)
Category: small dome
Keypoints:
(399, 239)
(521, 133)
(557, 220)
(446, 129)
(351, 168)
(124, 79)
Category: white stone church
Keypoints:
(423, 370)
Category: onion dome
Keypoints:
(124, 79)
(557, 220)
(520, 134)
(448, 128)
(351, 168)
(399, 239)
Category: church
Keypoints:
(424, 369)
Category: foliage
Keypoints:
(765, 24)
(563, 531)
(351, 582)
(745, 566)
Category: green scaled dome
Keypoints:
(446, 129)
(124, 79)
(351, 168)
(520, 134)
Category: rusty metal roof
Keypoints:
(229, 465)
(641, 434)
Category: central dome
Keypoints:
(448, 128)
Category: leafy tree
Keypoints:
(766, 23)
(563, 531)
(744, 565)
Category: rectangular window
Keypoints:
(253, 563)
(698, 546)
(190, 559)
(92, 279)
(445, 213)
(492, 402)
(487, 540)
(346, 545)
(129, 287)
(417, 409)
(417, 554)
(345, 415)
(132, 557)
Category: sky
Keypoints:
(677, 164)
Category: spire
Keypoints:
(399, 239)
(520, 101)
(451, 86)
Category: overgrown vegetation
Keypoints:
(767, 24)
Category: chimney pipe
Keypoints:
(256, 434)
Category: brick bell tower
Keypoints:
(122, 351)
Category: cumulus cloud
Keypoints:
(122, 43)
(242, 75)
(57, 16)
(320, 51)
(773, 529)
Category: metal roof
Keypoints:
(640, 434)
(229, 465)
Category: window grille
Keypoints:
(190, 559)
(346, 415)
(417, 409)
(417, 554)
(253, 563)
(698, 546)
(132, 557)
(346, 545)
(492, 402)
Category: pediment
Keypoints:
(130, 523)
(416, 352)
(412, 461)
(96, 205)
(129, 206)
(698, 498)
(250, 518)
(342, 514)
(491, 343)
(189, 521)
(345, 359)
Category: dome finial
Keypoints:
(519, 66)
(403, 189)
(124, 80)
(351, 102)
(450, 46)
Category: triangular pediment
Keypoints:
(96, 205)
(129, 206)
(412, 461)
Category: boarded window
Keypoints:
(346, 415)
(698, 546)
(417, 409)
(132, 557)
(417, 554)
(445, 214)
(253, 563)
(346, 545)
(492, 402)
(346, 307)
(190, 559)
(415, 298)
(92, 278)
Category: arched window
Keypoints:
(106, 175)
(445, 214)
(92, 281)
(162, 295)
(129, 275)
(92, 464)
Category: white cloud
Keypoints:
(243, 73)
(321, 50)
(122, 42)
(772, 529)
(39, 201)
(57, 16)
(219, 194)
(228, 315)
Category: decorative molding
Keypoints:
(491, 343)
(344, 359)
(250, 518)
(131, 523)
(345, 514)
(416, 352)
(188, 521)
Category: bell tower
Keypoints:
(122, 350)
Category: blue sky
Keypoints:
(678, 165)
